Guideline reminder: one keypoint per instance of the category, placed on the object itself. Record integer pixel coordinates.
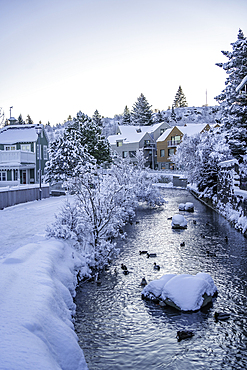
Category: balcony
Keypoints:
(173, 143)
(8, 157)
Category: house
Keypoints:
(19, 154)
(130, 139)
(171, 138)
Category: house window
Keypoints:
(3, 176)
(146, 142)
(26, 147)
(125, 154)
(39, 151)
(132, 153)
(15, 175)
(171, 152)
(10, 147)
(162, 130)
(119, 143)
(175, 139)
(162, 152)
(45, 152)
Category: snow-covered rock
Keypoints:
(179, 222)
(184, 292)
(188, 206)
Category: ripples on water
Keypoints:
(118, 330)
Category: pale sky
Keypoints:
(62, 56)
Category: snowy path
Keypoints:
(26, 222)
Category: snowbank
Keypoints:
(183, 292)
(188, 206)
(37, 285)
(179, 222)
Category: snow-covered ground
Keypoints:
(37, 288)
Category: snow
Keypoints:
(18, 134)
(188, 206)
(242, 84)
(38, 280)
(178, 222)
(185, 291)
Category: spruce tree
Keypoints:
(20, 120)
(126, 116)
(141, 114)
(233, 103)
(97, 118)
(180, 99)
(29, 120)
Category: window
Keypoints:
(26, 147)
(162, 130)
(132, 153)
(10, 147)
(45, 152)
(15, 175)
(146, 142)
(3, 176)
(119, 143)
(162, 152)
(171, 152)
(175, 139)
(39, 151)
(125, 154)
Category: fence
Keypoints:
(21, 194)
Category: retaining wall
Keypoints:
(21, 194)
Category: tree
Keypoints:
(180, 99)
(20, 120)
(126, 116)
(97, 119)
(158, 117)
(1, 117)
(29, 121)
(234, 104)
(141, 114)
(90, 137)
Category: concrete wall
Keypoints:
(21, 194)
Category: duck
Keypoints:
(142, 252)
(169, 218)
(156, 267)
(182, 244)
(143, 282)
(123, 267)
(221, 316)
(125, 272)
(184, 334)
(151, 255)
(194, 222)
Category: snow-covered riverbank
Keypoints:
(38, 283)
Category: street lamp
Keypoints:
(38, 130)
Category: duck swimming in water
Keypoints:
(221, 316)
(156, 267)
(123, 267)
(143, 282)
(151, 255)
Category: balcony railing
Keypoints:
(16, 156)
(173, 142)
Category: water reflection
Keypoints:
(117, 330)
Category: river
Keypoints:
(118, 330)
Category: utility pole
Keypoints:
(10, 112)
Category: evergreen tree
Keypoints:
(97, 118)
(20, 120)
(1, 117)
(126, 116)
(29, 121)
(90, 137)
(173, 115)
(158, 117)
(141, 114)
(232, 102)
(180, 99)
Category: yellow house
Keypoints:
(171, 138)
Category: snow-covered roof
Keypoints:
(130, 134)
(242, 83)
(18, 134)
(189, 130)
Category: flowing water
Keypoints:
(119, 330)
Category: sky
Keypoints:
(59, 57)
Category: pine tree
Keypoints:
(90, 137)
(180, 99)
(126, 116)
(29, 120)
(158, 117)
(232, 102)
(97, 118)
(20, 120)
(141, 114)
(173, 115)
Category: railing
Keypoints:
(173, 142)
(16, 156)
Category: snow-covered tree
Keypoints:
(20, 120)
(141, 114)
(29, 120)
(126, 116)
(232, 102)
(97, 119)
(180, 99)
(158, 117)
(1, 117)
(88, 133)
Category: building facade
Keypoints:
(19, 154)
